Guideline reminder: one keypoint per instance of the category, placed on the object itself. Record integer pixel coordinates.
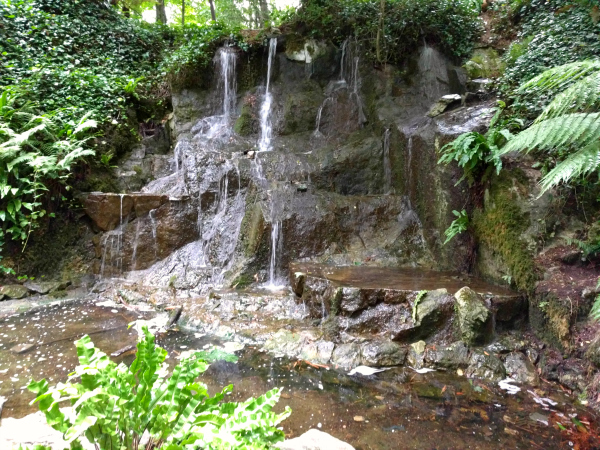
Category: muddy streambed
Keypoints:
(395, 409)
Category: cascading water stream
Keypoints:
(387, 166)
(266, 127)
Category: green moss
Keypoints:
(500, 225)
(244, 125)
(485, 63)
(242, 281)
(335, 302)
(551, 319)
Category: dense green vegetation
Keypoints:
(115, 405)
(392, 29)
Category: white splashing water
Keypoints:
(266, 127)
(387, 166)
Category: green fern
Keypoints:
(581, 129)
(595, 312)
(458, 225)
(581, 96)
(579, 164)
(560, 77)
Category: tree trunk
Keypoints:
(161, 13)
(212, 10)
(380, 31)
(182, 12)
(264, 12)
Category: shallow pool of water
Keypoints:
(396, 409)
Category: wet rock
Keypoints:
(433, 311)
(520, 369)
(509, 309)
(314, 440)
(507, 344)
(318, 352)
(347, 356)
(285, 342)
(443, 103)
(297, 282)
(43, 287)
(22, 348)
(130, 296)
(383, 353)
(448, 357)
(474, 317)
(416, 354)
(15, 291)
(108, 210)
(488, 367)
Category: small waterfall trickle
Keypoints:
(275, 240)
(113, 246)
(154, 233)
(317, 132)
(344, 46)
(266, 127)
(387, 166)
(135, 245)
(226, 59)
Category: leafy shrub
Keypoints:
(75, 54)
(195, 47)
(406, 24)
(115, 405)
(557, 32)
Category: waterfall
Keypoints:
(387, 167)
(266, 128)
(225, 60)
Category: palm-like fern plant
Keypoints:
(569, 125)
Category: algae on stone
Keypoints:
(475, 319)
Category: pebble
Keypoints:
(359, 419)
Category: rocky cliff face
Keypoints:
(350, 176)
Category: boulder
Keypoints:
(486, 366)
(347, 356)
(475, 318)
(318, 352)
(383, 353)
(14, 291)
(443, 103)
(416, 354)
(520, 369)
(314, 440)
(452, 356)
(44, 287)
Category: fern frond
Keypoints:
(581, 129)
(595, 312)
(560, 77)
(580, 96)
(579, 163)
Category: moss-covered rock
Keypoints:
(485, 63)
(499, 229)
(245, 124)
(474, 317)
(299, 111)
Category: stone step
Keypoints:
(387, 301)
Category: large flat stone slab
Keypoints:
(391, 301)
